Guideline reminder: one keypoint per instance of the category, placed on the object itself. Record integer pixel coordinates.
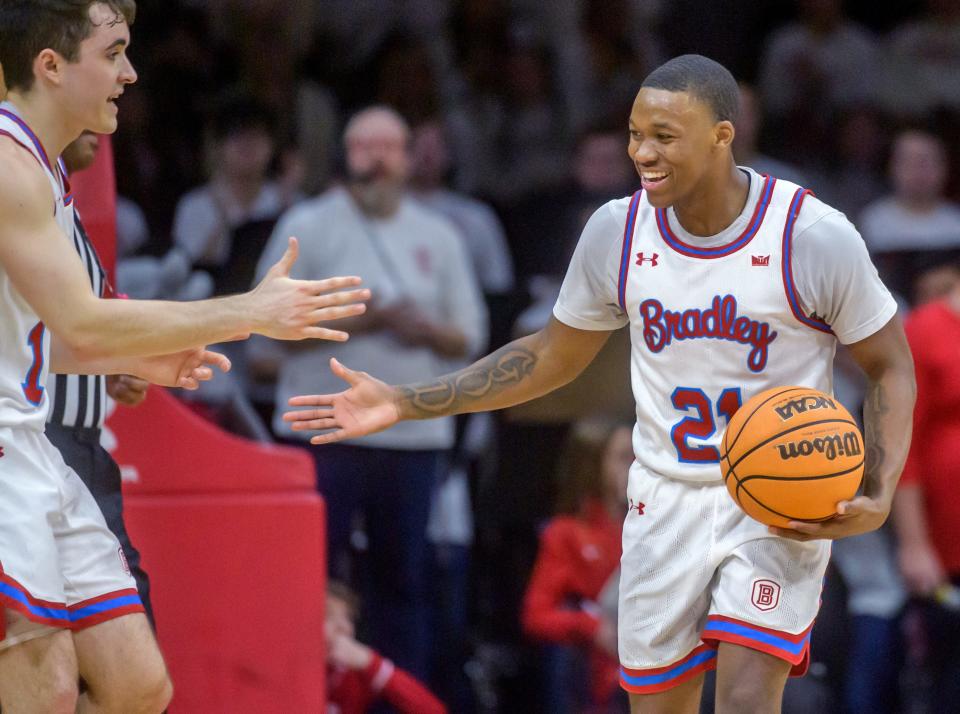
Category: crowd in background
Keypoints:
(502, 124)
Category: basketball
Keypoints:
(792, 454)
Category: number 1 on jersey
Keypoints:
(702, 424)
(32, 389)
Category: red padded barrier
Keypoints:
(238, 586)
(232, 535)
(166, 448)
(94, 190)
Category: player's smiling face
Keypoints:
(93, 83)
(673, 142)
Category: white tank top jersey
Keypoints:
(24, 341)
(715, 320)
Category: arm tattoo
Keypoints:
(456, 392)
(875, 406)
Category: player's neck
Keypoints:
(45, 120)
(715, 204)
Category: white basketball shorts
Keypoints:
(60, 566)
(697, 571)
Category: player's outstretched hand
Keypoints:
(368, 406)
(859, 515)
(184, 369)
(288, 309)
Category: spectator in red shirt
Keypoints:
(357, 676)
(570, 603)
(927, 504)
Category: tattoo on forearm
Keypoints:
(875, 406)
(450, 394)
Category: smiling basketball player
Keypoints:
(731, 283)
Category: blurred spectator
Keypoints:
(813, 66)
(426, 310)
(478, 224)
(223, 225)
(513, 136)
(915, 227)
(922, 62)
(148, 277)
(579, 554)
(851, 176)
(745, 148)
(544, 228)
(357, 676)
(927, 504)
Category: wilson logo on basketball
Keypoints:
(803, 404)
(830, 446)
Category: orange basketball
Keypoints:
(792, 454)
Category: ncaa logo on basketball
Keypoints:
(766, 595)
(804, 404)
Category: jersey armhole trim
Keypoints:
(627, 250)
(789, 286)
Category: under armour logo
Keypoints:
(760, 260)
(653, 260)
(638, 507)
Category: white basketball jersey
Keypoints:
(24, 342)
(711, 327)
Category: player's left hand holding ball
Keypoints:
(858, 515)
(184, 369)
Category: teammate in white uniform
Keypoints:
(732, 283)
(68, 607)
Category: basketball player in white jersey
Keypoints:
(731, 283)
(68, 607)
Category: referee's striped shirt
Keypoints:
(79, 400)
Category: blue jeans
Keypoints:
(392, 490)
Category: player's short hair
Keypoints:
(707, 80)
(28, 27)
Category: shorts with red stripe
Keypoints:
(60, 566)
(696, 571)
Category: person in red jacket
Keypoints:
(577, 567)
(358, 676)
(926, 508)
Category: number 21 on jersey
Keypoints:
(700, 424)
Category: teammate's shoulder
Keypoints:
(23, 182)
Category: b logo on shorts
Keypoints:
(766, 594)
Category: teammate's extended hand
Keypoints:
(860, 515)
(368, 406)
(184, 369)
(288, 309)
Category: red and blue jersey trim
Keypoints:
(33, 137)
(73, 617)
(789, 285)
(660, 679)
(794, 648)
(626, 250)
(720, 251)
(65, 182)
